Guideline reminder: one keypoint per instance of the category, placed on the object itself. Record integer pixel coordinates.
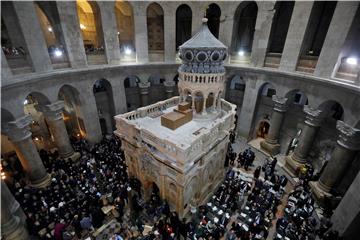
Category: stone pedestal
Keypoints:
(55, 121)
(18, 132)
(11, 226)
(299, 157)
(271, 143)
(341, 158)
(144, 93)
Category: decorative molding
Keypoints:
(19, 129)
(280, 104)
(52, 111)
(314, 116)
(349, 137)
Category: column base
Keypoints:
(14, 230)
(270, 148)
(318, 192)
(74, 156)
(42, 183)
(292, 166)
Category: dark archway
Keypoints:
(50, 25)
(13, 41)
(244, 28)
(103, 93)
(155, 32)
(183, 24)
(132, 92)
(126, 33)
(73, 118)
(278, 33)
(213, 13)
(91, 28)
(320, 18)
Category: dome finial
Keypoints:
(204, 20)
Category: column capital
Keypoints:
(169, 86)
(51, 111)
(144, 87)
(18, 129)
(279, 103)
(349, 137)
(313, 116)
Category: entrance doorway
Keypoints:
(263, 129)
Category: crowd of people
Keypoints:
(244, 206)
(77, 191)
(13, 51)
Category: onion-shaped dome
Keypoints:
(203, 53)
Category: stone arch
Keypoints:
(125, 27)
(244, 28)
(132, 93)
(50, 25)
(156, 79)
(155, 31)
(73, 117)
(183, 24)
(280, 26)
(263, 107)
(213, 14)
(91, 26)
(332, 109)
(13, 41)
(103, 93)
(39, 127)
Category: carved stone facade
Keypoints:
(187, 163)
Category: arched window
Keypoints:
(213, 14)
(125, 26)
(183, 24)
(91, 28)
(244, 28)
(155, 28)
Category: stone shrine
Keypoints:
(183, 154)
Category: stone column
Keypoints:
(169, 32)
(140, 25)
(341, 158)
(111, 40)
(295, 36)
(247, 113)
(11, 226)
(5, 69)
(144, 93)
(347, 212)
(169, 88)
(14, 205)
(338, 30)
(54, 118)
(34, 39)
(306, 139)
(271, 143)
(18, 132)
(70, 26)
(90, 117)
(203, 111)
(262, 33)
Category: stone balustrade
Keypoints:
(133, 132)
